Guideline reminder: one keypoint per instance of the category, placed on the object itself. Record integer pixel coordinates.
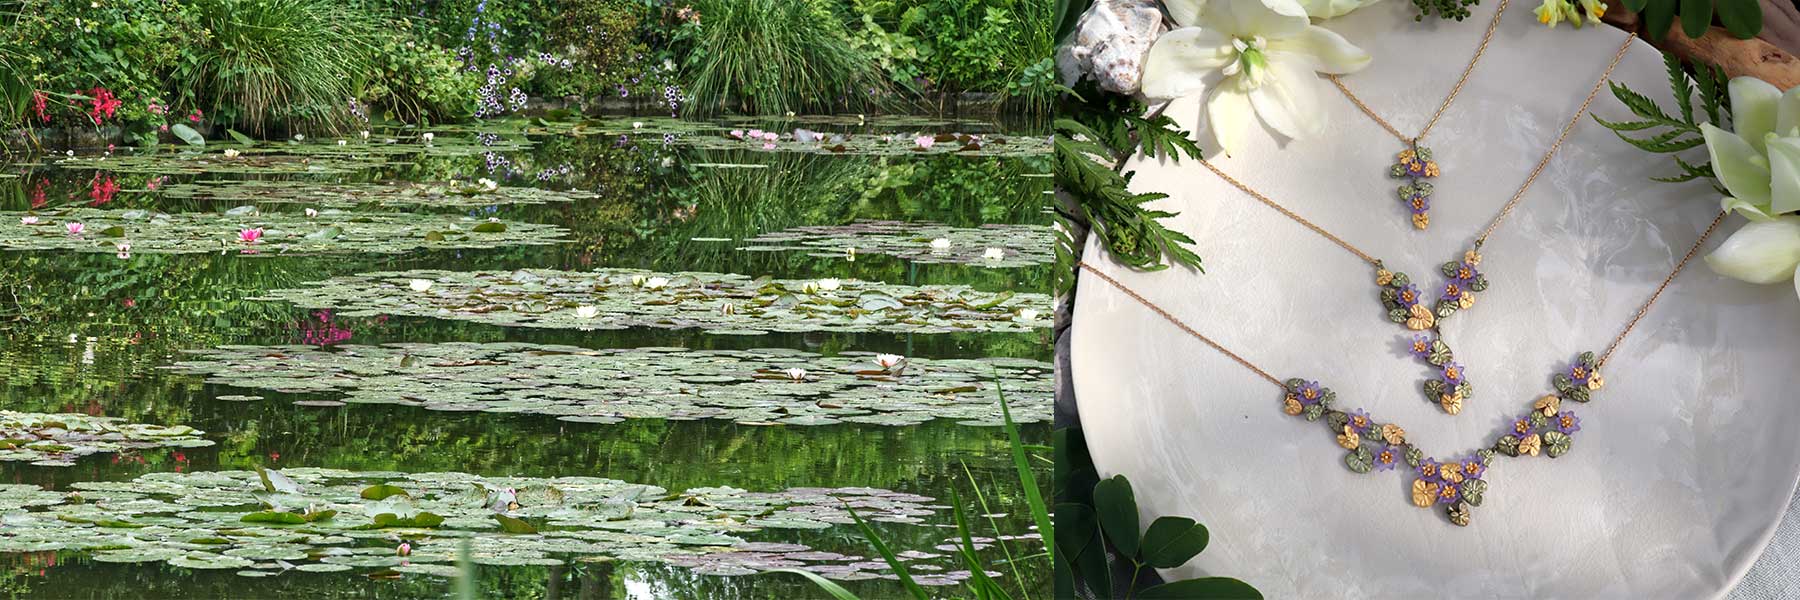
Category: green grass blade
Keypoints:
(906, 579)
(830, 587)
(1040, 513)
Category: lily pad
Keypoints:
(992, 245)
(716, 302)
(349, 195)
(58, 439)
(579, 384)
(331, 231)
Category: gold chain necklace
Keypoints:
(1457, 482)
(1407, 305)
(1415, 164)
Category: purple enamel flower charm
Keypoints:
(1453, 375)
(1566, 422)
(1421, 346)
(1387, 456)
(1415, 166)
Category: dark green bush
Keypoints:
(773, 56)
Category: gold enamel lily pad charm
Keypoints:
(1415, 165)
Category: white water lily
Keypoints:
(1028, 315)
(656, 282)
(889, 361)
(299, 137)
(1251, 58)
(940, 244)
(587, 312)
(419, 285)
(427, 136)
(727, 309)
(850, 253)
(830, 285)
(993, 254)
(312, 212)
(231, 153)
(28, 220)
(488, 185)
(365, 134)
(796, 374)
(342, 142)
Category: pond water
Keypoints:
(91, 323)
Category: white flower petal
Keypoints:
(1797, 281)
(1271, 19)
(1784, 175)
(1179, 62)
(1330, 9)
(1228, 115)
(1752, 109)
(1288, 99)
(1760, 252)
(1740, 167)
(1748, 210)
(1327, 51)
(1185, 13)
(1787, 114)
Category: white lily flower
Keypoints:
(587, 312)
(656, 282)
(1759, 161)
(342, 142)
(993, 254)
(231, 153)
(1028, 315)
(312, 212)
(364, 134)
(727, 309)
(940, 244)
(419, 285)
(1331, 9)
(299, 137)
(829, 285)
(889, 361)
(1252, 58)
(28, 220)
(796, 374)
(488, 185)
(1760, 252)
(427, 136)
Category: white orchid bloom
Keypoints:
(1252, 58)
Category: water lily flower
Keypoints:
(75, 228)
(1028, 315)
(488, 185)
(1253, 59)
(298, 137)
(756, 134)
(29, 220)
(249, 236)
(656, 282)
(311, 212)
(637, 124)
(404, 549)
(770, 136)
(924, 142)
(728, 309)
(419, 285)
(993, 254)
(737, 133)
(124, 249)
(427, 136)
(889, 361)
(830, 284)
(365, 134)
(940, 244)
(850, 253)
(796, 374)
(587, 312)
(768, 146)
(231, 153)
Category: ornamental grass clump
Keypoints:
(774, 56)
(279, 63)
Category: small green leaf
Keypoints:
(490, 227)
(514, 525)
(1696, 17)
(381, 491)
(187, 134)
(325, 234)
(1204, 588)
(1171, 541)
(1117, 508)
(114, 231)
(434, 236)
(240, 137)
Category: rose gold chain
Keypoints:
(1454, 90)
(1629, 326)
(1499, 217)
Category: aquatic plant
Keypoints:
(992, 245)
(147, 232)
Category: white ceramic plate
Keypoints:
(1685, 460)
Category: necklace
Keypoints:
(1409, 306)
(1455, 483)
(1414, 164)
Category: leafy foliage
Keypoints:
(1742, 18)
(1662, 133)
(260, 61)
(1093, 140)
(774, 56)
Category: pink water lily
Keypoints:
(771, 136)
(28, 220)
(404, 549)
(249, 236)
(737, 133)
(75, 228)
(924, 142)
(769, 146)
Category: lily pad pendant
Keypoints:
(1415, 165)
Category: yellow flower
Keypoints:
(1422, 318)
(1383, 277)
(1393, 434)
(1531, 445)
(1451, 403)
(1472, 257)
(1548, 405)
(1451, 473)
(1421, 221)
(1594, 8)
(1349, 439)
(1424, 493)
(1292, 406)
(1431, 168)
(1466, 300)
(1595, 382)
(1406, 155)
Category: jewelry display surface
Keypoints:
(1682, 469)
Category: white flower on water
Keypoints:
(637, 124)
(124, 250)
(364, 134)
(1028, 314)
(940, 244)
(427, 136)
(488, 185)
(1250, 58)
(728, 309)
(796, 374)
(993, 254)
(299, 137)
(655, 283)
(889, 361)
(231, 153)
(419, 285)
(850, 254)
(587, 312)
(830, 285)
(637, 280)
(312, 212)
(342, 142)
(28, 220)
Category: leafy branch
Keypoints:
(1662, 133)
(1093, 141)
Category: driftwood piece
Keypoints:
(1757, 57)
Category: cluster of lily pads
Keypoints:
(718, 303)
(992, 245)
(264, 523)
(214, 163)
(246, 230)
(872, 144)
(346, 195)
(759, 387)
(57, 440)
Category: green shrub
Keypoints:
(287, 62)
(773, 56)
(420, 82)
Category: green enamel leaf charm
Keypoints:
(1360, 460)
(1556, 443)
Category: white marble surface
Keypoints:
(1685, 461)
